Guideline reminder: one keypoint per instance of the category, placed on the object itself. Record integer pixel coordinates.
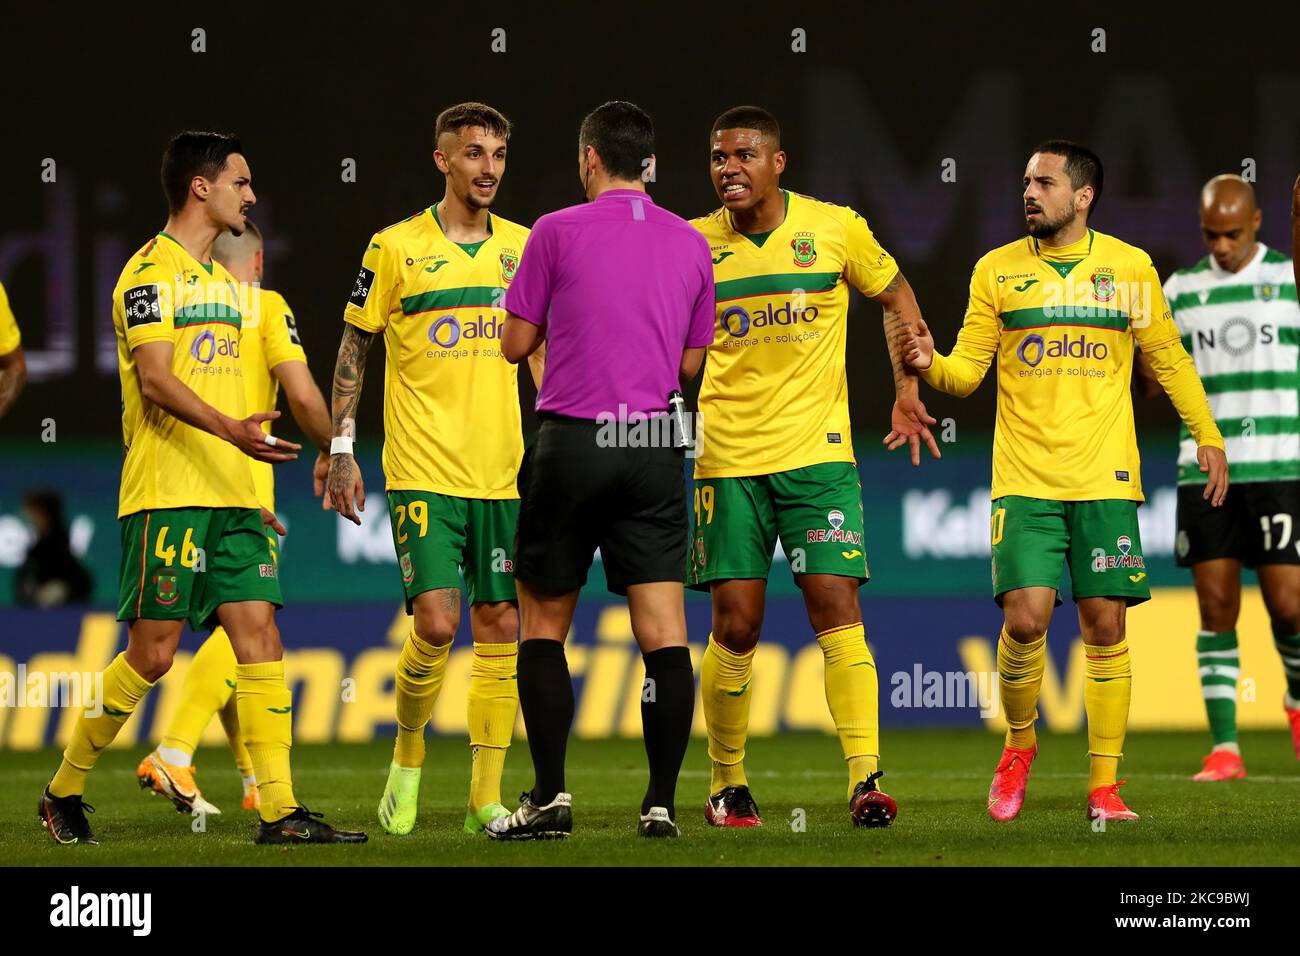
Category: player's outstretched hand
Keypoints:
(345, 487)
(918, 346)
(249, 438)
(319, 472)
(909, 422)
(269, 520)
(1214, 464)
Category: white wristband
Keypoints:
(341, 445)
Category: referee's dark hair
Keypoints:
(750, 117)
(455, 118)
(622, 134)
(191, 154)
(1082, 165)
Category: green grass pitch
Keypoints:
(939, 778)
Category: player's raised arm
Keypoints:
(159, 385)
(960, 372)
(1157, 336)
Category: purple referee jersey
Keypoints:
(620, 288)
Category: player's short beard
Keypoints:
(473, 201)
(1047, 228)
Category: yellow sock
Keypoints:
(852, 693)
(493, 704)
(266, 718)
(419, 678)
(122, 690)
(724, 688)
(1107, 687)
(209, 684)
(229, 715)
(1020, 678)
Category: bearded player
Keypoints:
(193, 541)
(431, 286)
(783, 264)
(1063, 309)
(271, 356)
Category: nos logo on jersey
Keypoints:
(140, 306)
(361, 290)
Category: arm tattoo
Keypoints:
(896, 326)
(349, 372)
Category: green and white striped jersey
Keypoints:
(1243, 331)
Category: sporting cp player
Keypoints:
(193, 543)
(432, 286)
(270, 356)
(1237, 312)
(1062, 308)
(13, 366)
(782, 266)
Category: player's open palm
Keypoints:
(345, 491)
(249, 438)
(909, 422)
(1214, 465)
(918, 346)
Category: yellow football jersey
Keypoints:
(9, 337)
(774, 395)
(165, 295)
(270, 338)
(451, 400)
(1063, 322)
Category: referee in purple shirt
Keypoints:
(621, 293)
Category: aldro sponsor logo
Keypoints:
(1102, 561)
(207, 345)
(448, 331)
(836, 531)
(1034, 348)
(744, 327)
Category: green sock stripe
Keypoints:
(1207, 641)
(1282, 640)
(1219, 679)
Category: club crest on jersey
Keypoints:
(1103, 285)
(408, 571)
(1265, 292)
(165, 592)
(805, 252)
(509, 263)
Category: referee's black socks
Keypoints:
(667, 706)
(546, 696)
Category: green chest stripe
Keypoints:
(1230, 294)
(207, 313)
(1248, 381)
(1081, 316)
(788, 283)
(482, 296)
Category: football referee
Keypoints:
(621, 292)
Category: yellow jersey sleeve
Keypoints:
(9, 337)
(370, 303)
(960, 372)
(867, 266)
(1150, 317)
(279, 331)
(148, 313)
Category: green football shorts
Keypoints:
(180, 564)
(816, 511)
(437, 536)
(1099, 540)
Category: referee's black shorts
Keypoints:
(577, 496)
